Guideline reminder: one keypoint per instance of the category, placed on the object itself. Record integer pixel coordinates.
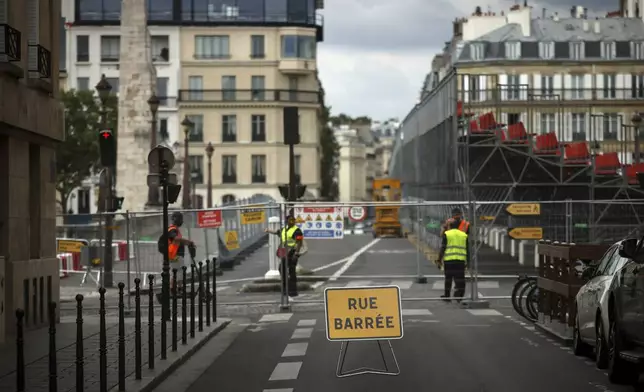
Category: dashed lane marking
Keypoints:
(302, 333)
(279, 390)
(307, 323)
(286, 371)
(416, 312)
(484, 312)
(358, 283)
(276, 317)
(295, 350)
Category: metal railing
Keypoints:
(258, 95)
(40, 59)
(10, 42)
(513, 94)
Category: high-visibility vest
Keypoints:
(287, 237)
(464, 226)
(456, 249)
(172, 247)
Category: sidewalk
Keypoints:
(37, 362)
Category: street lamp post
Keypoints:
(187, 127)
(209, 151)
(637, 121)
(153, 191)
(194, 176)
(104, 88)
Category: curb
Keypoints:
(567, 341)
(148, 384)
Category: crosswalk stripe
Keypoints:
(358, 283)
(403, 284)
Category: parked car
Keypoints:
(610, 312)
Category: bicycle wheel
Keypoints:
(518, 286)
(523, 296)
(532, 302)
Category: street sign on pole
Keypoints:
(524, 209)
(357, 214)
(159, 154)
(154, 179)
(526, 233)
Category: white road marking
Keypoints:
(403, 284)
(295, 350)
(276, 317)
(484, 312)
(302, 333)
(358, 283)
(219, 288)
(325, 266)
(306, 323)
(317, 284)
(351, 259)
(486, 284)
(279, 390)
(286, 371)
(416, 312)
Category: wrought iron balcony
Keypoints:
(544, 96)
(229, 179)
(10, 43)
(258, 179)
(298, 96)
(40, 61)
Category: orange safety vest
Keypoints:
(172, 247)
(463, 226)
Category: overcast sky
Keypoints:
(376, 53)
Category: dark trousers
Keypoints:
(455, 271)
(288, 269)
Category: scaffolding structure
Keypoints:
(503, 143)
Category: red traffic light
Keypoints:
(106, 135)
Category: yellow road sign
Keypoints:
(319, 218)
(299, 219)
(526, 233)
(487, 218)
(69, 246)
(232, 241)
(329, 218)
(524, 209)
(363, 313)
(253, 217)
(338, 218)
(308, 218)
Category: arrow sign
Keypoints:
(526, 233)
(524, 209)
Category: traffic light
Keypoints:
(117, 203)
(107, 148)
(299, 191)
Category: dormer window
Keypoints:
(478, 51)
(608, 50)
(513, 50)
(547, 50)
(637, 51)
(576, 51)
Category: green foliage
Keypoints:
(78, 156)
(330, 151)
(345, 119)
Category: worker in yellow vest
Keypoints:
(454, 256)
(291, 238)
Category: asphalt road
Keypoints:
(444, 348)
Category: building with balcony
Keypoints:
(242, 63)
(532, 107)
(31, 125)
(352, 164)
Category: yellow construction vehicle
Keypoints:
(387, 221)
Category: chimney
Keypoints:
(573, 12)
(555, 17)
(585, 13)
(597, 26)
(543, 13)
(585, 25)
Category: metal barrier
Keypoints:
(226, 232)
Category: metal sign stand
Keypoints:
(88, 272)
(344, 348)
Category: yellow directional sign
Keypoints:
(524, 209)
(232, 241)
(69, 246)
(526, 233)
(363, 313)
(486, 218)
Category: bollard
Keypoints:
(151, 322)
(137, 329)
(174, 309)
(192, 301)
(20, 351)
(102, 347)
(121, 341)
(200, 298)
(208, 293)
(184, 307)
(214, 290)
(80, 356)
(53, 371)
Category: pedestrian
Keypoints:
(176, 242)
(454, 257)
(291, 239)
(457, 216)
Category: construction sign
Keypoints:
(70, 246)
(519, 209)
(320, 222)
(209, 219)
(526, 233)
(232, 241)
(253, 216)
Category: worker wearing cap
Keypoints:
(454, 256)
(291, 238)
(457, 216)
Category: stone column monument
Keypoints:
(137, 83)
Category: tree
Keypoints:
(330, 150)
(77, 157)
